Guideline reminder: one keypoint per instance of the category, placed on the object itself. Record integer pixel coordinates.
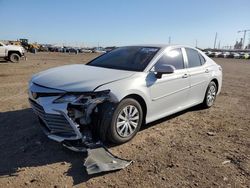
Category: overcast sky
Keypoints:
(124, 22)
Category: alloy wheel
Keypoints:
(211, 95)
(127, 121)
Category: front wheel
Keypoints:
(210, 95)
(126, 121)
(14, 58)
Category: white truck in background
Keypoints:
(11, 53)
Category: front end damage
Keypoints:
(71, 118)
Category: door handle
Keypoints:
(185, 76)
(206, 71)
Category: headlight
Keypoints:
(66, 99)
(80, 98)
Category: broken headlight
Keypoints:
(80, 97)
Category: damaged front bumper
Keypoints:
(68, 123)
(62, 119)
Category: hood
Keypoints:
(78, 78)
(14, 47)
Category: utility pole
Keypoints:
(169, 40)
(244, 36)
(215, 38)
(196, 43)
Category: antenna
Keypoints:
(244, 36)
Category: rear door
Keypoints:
(199, 75)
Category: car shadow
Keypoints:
(23, 145)
(3, 61)
(194, 108)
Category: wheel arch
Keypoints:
(13, 51)
(141, 101)
(216, 83)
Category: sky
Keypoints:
(125, 22)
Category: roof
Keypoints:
(162, 45)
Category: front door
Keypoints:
(170, 93)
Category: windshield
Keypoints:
(133, 58)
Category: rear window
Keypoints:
(193, 58)
(132, 58)
(202, 59)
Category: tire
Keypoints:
(210, 95)
(119, 129)
(14, 58)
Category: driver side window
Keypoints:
(173, 57)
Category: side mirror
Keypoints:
(161, 69)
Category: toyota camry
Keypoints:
(113, 95)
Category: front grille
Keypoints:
(55, 124)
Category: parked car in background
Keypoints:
(85, 50)
(236, 55)
(244, 55)
(224, 54)
(118, 92)
(217, 54)
(99, 50)
(211, 54)
(11, 53)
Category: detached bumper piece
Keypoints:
(101, 160)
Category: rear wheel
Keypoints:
(14, 58)
(210, 95)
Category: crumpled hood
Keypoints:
(78, 78)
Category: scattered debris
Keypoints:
(225, 179)
(27, 183)
(31, 181)
(211, 133)
(225, 162)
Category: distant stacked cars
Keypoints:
(227, 54)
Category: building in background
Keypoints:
(238, 45)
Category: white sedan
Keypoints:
(115, 94)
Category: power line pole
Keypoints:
(215, 38)
(244, 36)
(196, 43)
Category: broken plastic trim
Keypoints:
(101, 160)
(89, 101)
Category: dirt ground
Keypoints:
(194, 148)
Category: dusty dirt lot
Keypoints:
(174, 152)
